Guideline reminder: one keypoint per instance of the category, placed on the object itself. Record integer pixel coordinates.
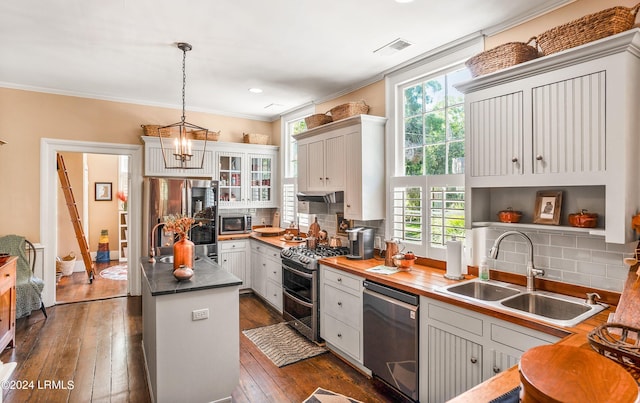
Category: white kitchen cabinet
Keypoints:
(341, 313)
(234, 257)
(247, 175)
(460, 348)
(154, 161)
(566, 121)
(347, 155)
(325, 162)
(266, 273)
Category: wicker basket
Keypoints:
(210, 136)
(255, 138)
(349, 109)
(154, 130)
(619, 342)
(65, 265)
(318, 119)
(501, 57)
(587, 29)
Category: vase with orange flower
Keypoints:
(184, 251)
(122, 196)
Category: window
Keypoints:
(433, 120)
(427, 148)
(292, 123)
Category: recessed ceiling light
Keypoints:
(255, 90)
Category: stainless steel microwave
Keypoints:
(234, 224)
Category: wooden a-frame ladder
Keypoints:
(75, 218)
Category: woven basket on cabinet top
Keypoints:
(154, 130)
(501, 57)
(255, 138)
(316, 120)
(210, 135)
(349, 109)
(587, 29)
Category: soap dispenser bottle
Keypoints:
(483, 270)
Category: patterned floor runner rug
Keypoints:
(282, 344)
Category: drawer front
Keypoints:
(342, 305)
(518, 339)
(265, 249)
(274, 270)
(7, 277)
(342, 336)
(343, 280)
(274, 294)
(455, 318)
(233, 245)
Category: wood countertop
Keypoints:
(423, 280)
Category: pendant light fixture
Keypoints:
(177, 149)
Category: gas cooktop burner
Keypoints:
(306, 255)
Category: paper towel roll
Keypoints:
(454, 260)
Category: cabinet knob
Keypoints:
(321, 178)
(339, 279)
(274, 272)
(264, 265)
(339, 334)
(496, 370)
(326, 179)
(539, 157)
(474, 360)
(514, 159)
(339, 303)
(348, 205)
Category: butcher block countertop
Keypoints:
(428, 274)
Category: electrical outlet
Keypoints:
(377, 243)
(262, 221)
(200, 314)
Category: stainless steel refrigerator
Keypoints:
(192, 197)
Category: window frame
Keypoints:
(438, 62)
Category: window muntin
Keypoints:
(407, 214)
(446, 214)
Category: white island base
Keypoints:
(191, 360)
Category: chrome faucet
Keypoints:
(532, 272)
(152, 247)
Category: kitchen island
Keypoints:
(190, 332)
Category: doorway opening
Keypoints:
(100, 184)
(49, 207)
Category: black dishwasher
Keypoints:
(390, 321)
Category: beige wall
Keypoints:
(565, 14)
(66, 235)
(26, 117)
(103, 214)
(372, 94)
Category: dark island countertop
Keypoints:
(207, 274)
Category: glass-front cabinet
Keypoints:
(230, 177)
(248, 179)
(260, 189)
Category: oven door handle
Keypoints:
(298, 300)
(297, 272)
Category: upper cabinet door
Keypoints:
(334, 162)
(263, 181)
(315, 165)
(496, 136)
(569, 125)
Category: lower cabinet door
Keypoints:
(456, 365)
(274, 294)
(342, 336)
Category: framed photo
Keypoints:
(103, 191)
(343, 224)
(548, 206)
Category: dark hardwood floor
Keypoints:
(96, 345)
(76, 287)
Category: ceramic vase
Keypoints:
(184, 253)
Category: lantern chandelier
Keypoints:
(181, 154)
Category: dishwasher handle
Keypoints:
(393, 293)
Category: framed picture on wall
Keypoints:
(103, 191)
(343, 224)
(548, 206)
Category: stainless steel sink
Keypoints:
(483, 291)
(556, 309)
(549, 307)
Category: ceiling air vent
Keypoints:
(393, 47)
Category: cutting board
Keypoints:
(269, 231)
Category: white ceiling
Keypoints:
(297, 51)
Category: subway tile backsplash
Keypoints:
(573, 258)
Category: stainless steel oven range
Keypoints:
(301, 289)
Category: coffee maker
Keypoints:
(360, 243)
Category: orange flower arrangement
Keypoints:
(178, 224)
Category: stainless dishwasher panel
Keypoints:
(390, 322)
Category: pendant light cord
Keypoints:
(184, 81)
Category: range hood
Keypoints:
(321, 197)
